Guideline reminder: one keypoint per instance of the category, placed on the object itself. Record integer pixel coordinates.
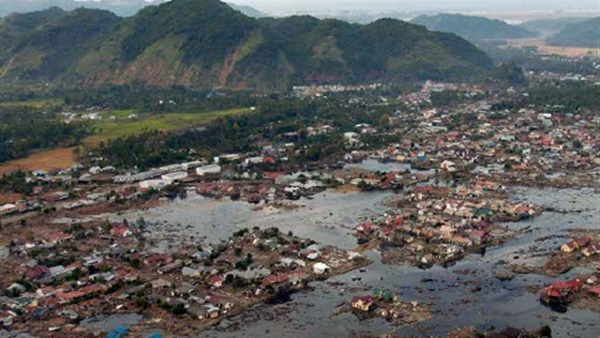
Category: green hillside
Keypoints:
(547, 27)
(584, 34)
(472, 27)
(207, 44)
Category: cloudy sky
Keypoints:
(416, 5)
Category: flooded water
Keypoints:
(374, 165)
(110, 322)
(329, 217)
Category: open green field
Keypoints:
(106, 129)
(41, 103)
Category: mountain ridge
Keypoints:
(472, 27)
(584, 34)
(207, 44)
(120, 8)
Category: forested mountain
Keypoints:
(472, 27)
(119, 7)
(547, 27)
(583, 34)
(207, 44)
(248, 10)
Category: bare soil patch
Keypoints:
(55, 159)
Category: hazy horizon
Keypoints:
(418, 5)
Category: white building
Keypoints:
(321, 268)
(208, 169)
(175, 176)
(351, 137)
(7, 209)
(156, 184)
(448, 166)
(95, 170)
(227, 157)
(254, 160)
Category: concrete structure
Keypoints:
(174, 176)
(156, 184)
(321, 268)
(208, 169)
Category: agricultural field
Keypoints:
(107, 128)
(544, 48)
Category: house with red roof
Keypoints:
(366, 227)
(158, 259)
(478, 236)
(121, 230)
(569, 286)
(561, 292)
(582, 241)
(56, 237)
(275, 279)
(594, 290)
(37, 272)
(216, 281)
(552, 295)
(72, 295)
(269, 160)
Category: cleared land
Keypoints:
(546, 49)
(55, 159)
(110, 129)
(106, 129)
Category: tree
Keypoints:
(178, 309)
(364, 186)
(512, 73)
(546, 331)
(384, 121)
(77, 151)
(236, 127)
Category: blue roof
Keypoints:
(117, 333)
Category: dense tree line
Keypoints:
(572, 96)
(280, 120)
(531, 60)
(160, 100)
(16, 182)
(23, 129)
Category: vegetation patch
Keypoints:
(107, 128)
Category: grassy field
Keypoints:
(33, 103)
(106, 129)
(110, 129)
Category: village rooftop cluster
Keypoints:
(453, 168)
(71, 275)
